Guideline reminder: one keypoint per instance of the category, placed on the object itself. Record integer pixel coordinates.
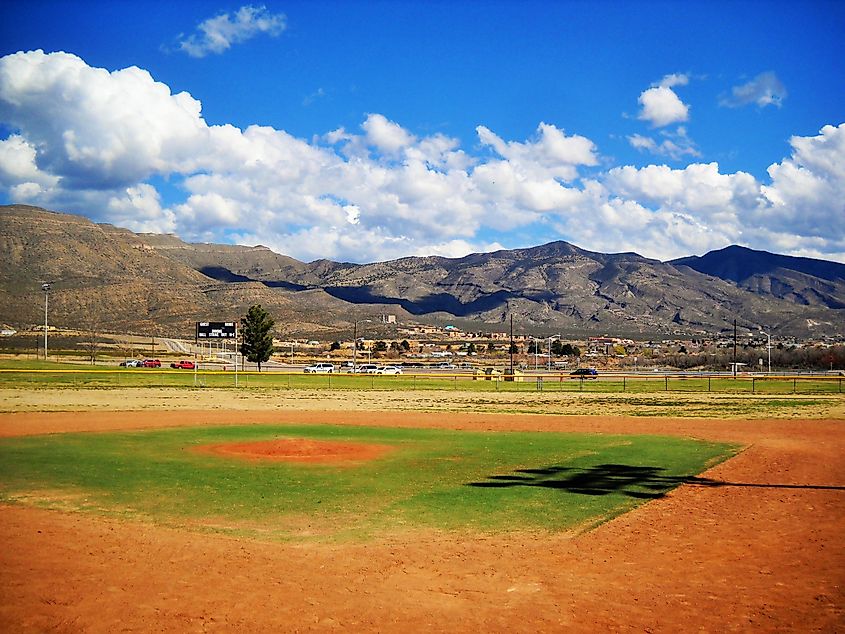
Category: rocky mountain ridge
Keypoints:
(159, 283)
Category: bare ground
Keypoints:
(762, 552)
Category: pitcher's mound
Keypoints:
(298, 450)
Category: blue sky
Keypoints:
(366, 131)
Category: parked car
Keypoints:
(389, 369)
(584, 373)
(444, 365)
(183, 365)
(151, 363)
(131, 363)
(319, 368)
(365, 368)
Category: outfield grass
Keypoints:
(437, 479)
(43, 374)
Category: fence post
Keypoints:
(666, 380)
(709, 378)
(753, 379)
(794, 384)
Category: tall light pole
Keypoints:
(46, 288)
(769, 348)
(549, 366)
(355, 342)
(511, 349)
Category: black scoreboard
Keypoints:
(216, 330)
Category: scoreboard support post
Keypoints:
(218, 330)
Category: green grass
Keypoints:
(446, 480)
(38, 374)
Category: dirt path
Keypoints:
(762, 552)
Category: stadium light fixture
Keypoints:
(46, 288)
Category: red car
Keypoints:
(151, 363)
(183, 365)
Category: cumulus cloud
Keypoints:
(661, 107)
(96, 129)
(552, 153)
(101, 143)
(385, 135)
(218, 34)
(764, 90)
(806, 196)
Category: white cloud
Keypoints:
(807, 192)
(674, 145)
(139, 208)
(96, 129)
(385, 135)
(764, 90)
(218, 34)
(698, 191)
(552, 154)
(18, 167)
(675, 79)
(86, 140)
(661, 107)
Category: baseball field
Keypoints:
(182, 509)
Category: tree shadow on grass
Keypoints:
(642, 482)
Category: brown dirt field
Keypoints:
(762, 552)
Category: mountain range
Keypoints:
(118, 280)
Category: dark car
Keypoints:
(584, 373)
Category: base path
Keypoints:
(763, 552)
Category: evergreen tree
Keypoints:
(256, 338)
(569, 350)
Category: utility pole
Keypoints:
(355, 342)
(768, 348)
(511, 348)
(46, 288)
(734, 348)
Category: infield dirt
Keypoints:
(761, 552)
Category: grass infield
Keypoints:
(436, 479)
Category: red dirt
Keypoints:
(762, 552)
(298, 450)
